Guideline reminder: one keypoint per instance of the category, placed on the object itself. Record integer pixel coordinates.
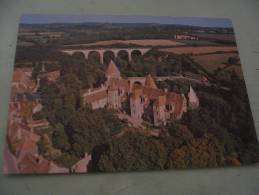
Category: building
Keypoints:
(186, 37)
(51, 76)
(22, 80)
(81, 165)
(144, 97)
(33, 163)
(111, 94)
(158, 104)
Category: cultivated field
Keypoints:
(213, 61)
(223, 37)
(200, 50)
(199, 42)
(142, 42)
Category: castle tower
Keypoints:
(137, 104)
(113, 98)
(193, 99)
(159, 111)
(150, 83)
(112, 71)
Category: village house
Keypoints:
(21, 140)
(51, 76)
(143, 97)
(22, 80)
(81, 165)
(26, 104)
(23, 130)
(33, 163)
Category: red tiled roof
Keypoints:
(17, 75)
(161, 100)
(28, 145)
(153, 93)
(96, 96)
(33, 164)
(176, 100)
(38, 122)
(22, 145)
(150, 83)
(118, 83)
(52, 76)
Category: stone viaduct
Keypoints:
(101, 51)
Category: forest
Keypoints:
(220, 133)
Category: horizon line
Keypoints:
(125, 19)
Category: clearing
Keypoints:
(141, 42)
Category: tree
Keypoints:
(200, 152)
(36, 70)
(179, 134)
(59, 138)
(125, 106)
(43, 145)
(88, 129)
(113, 123)
(67, 160)
(133, 151)
(46, 148)
(196, 124)
(71, 83)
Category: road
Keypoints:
(198, 81)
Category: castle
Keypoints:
(145, 99)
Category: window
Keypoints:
(142, 99)
(168, 107)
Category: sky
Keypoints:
(193, 21)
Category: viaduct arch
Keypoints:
(101, 51)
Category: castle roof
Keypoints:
(152, 93)
(115, 83)
(112, 70)
(161, 100)
(192, 95)
(98, 95)
(177, 100)
(150, 82)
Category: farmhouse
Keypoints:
(185, 37)
(143, 95)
